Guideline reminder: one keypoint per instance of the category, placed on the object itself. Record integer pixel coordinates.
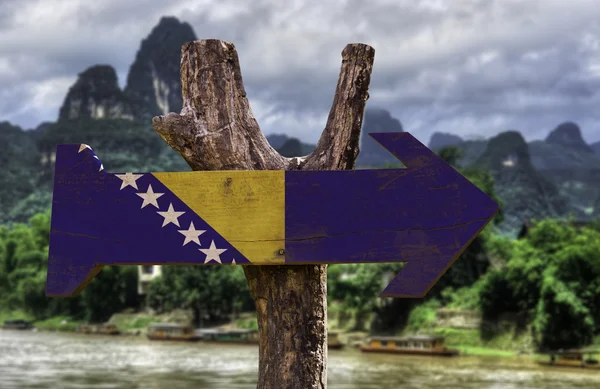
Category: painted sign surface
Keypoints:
(425, 215)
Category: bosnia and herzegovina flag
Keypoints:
(100, 218)
(425, 215)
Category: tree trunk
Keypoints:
(216, 130)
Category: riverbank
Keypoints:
(57, 323)
(468, 342)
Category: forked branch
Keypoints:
(216, 130)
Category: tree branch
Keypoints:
(338, 146)
(216, 129)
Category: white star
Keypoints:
(129, 179)
(213, 253)
(233, 262)
(170, 216)
(150, 197)
(82, 147)
(192, 234)
(101, 165)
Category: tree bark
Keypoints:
(216, 130)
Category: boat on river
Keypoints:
(172, 331)
(585, 358)
(237, 336)
(98, 329)
(414, 345)
(18, 324)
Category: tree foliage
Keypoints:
(23, 266)
(211, 292)
(553, 276)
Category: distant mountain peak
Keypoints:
(525, 192)
(96, 95)
(169, 22)
(440, 140)
(153, 82)
(289, 146)
(277, 140)
(508, 149)
(568, 134)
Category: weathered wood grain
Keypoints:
(100, 218)
(425, 214)
(245, 207)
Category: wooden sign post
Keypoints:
(247, 205)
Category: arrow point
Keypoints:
(420, 274)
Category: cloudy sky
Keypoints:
(469, 67)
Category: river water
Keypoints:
(45, 360)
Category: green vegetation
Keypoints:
(423, 317)
(23, 264)
(213, 293)
(58, 323)
(483, 351)
(553, 279)
(20, 162)
(249, 323)
(131, 321)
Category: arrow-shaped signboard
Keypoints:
(425, 215)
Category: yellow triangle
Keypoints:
(247, 207)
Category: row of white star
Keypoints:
(171, 216)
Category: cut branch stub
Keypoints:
(216, 130)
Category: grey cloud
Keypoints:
(430, 70)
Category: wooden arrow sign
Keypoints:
(425, 215)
